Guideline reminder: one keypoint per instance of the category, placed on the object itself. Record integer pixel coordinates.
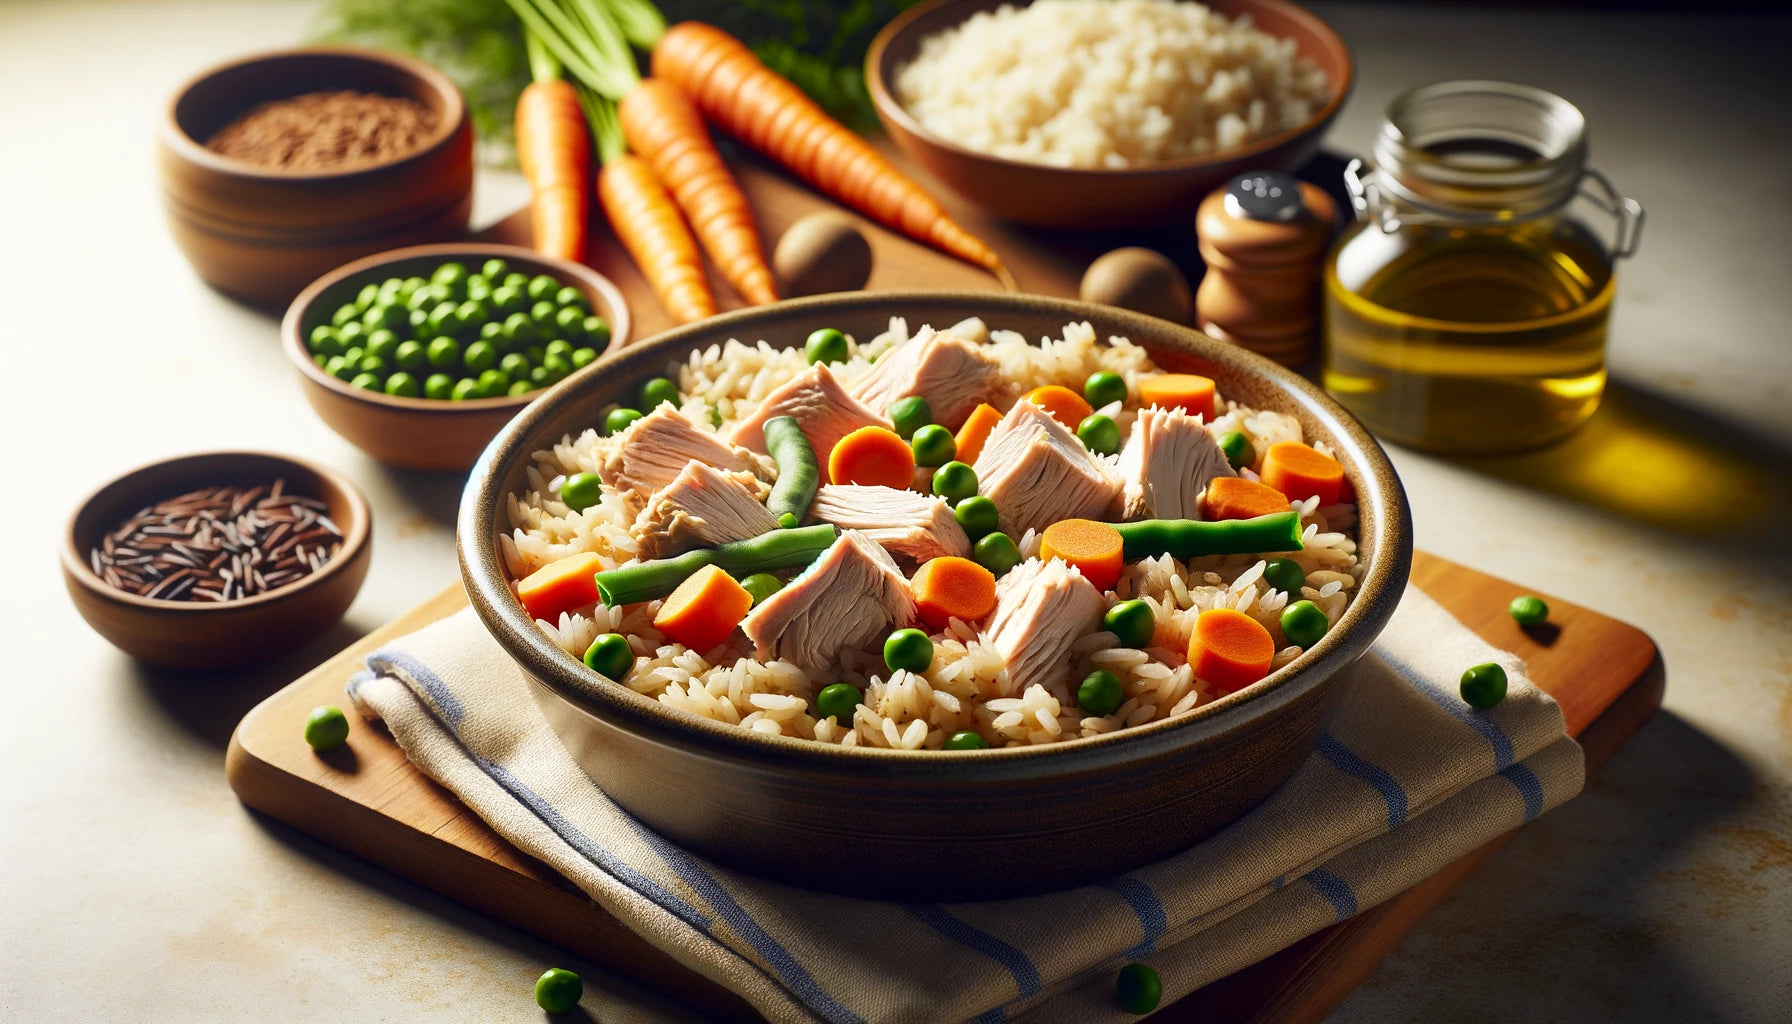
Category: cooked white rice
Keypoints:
(1108, 83)
(967, 687)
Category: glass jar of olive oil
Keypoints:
(1466, 309)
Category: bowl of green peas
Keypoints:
(418, 356)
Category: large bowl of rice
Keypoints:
(1077, 800)
(1100, 114)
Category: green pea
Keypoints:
(493, 383)
(838, 701)
(519, 330)
(572, 298)
(955, 481)
(1303, 624)
(996, 552)
(583, 357)
(826, 346)
(438, 386)
(908, 649)
(508, 300)
(479, 289)
(443, 353)
(1138, 989)
(514, 363)
(543, 314)
(480, 357)
(326, 727)
(374, 364)
(558, 991)
(657, 392)
(365, 381)
(419, 322)
(420, 300)
(472, 315)
(410, 285)
(494, 269)
(1100, 693)
(761, 585)
(520, 387)
(610, 655)
(557, 366)
(934, 445)
(540, 377)
(570, 322)
(1133, 622)
(620, 420)
(320, 360)
(1484, 686)
(977, 515)
(1104, 389)
(542, 287)
(354, 355)
(391, 317)
(352, 335)
(403, 385)
(369, 294)
(910, 414)
(966, 740)
(516, 279)
(410, 355)
(346, 313)
(597, 331)
(382, 343)
(493, 331)
(1284, 574)
(450, 274)
(1237, 449)
(325, 341)
(388, 293)
(465, 390)
(557, 347)
(1528, 610)
(443, 319)
(1099, 433)
(340, 368)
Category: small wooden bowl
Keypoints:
(197, 634)
(262, 234)
(1091, 198)
(424, 433)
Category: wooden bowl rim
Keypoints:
(483, 574)
(893, 112)
(357, 531)
(193, 151)
(293, 341)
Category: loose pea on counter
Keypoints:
(1484, 686)
(558, 990)
(1528, 610)
(326, 728)
(460, 335)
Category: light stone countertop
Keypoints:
(136, 888)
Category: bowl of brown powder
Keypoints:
(281, 166)
(217, 559)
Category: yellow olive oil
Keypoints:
(1469, 339)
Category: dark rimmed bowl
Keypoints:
(194, 634)
(423, 433)
(262, 234)
(1098, 198)
(937, 824)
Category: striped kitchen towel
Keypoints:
(1407, 779)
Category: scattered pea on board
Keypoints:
(558, 990)
(1528, 610)
(326, 728)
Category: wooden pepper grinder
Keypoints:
(1264, 237)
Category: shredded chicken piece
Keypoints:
(702, 507)
(1037, 472)
(1042, 608)
(821, 406)
(952, 372)
(920, 526)
(1166, 464)
(848, 597)
(655, 449)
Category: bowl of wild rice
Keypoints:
(279, 166)
(1101, 114)
(803, 733)
(217, 559)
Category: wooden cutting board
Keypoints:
(369, 800)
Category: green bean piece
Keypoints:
(1484, 686)
(978, 516)
(997, 552)
(619, 420)
(558, 990)
(1100, 693)
(1237, 449)
(799, 474)
(656, 392)
(838, 701)
(1138, 989)
(779, 549)
(1133, 622)
(966, 740)
(910, 414)
(826, 345)
(1099, 433)
(1285, 574)
(326, 728)
(610, 656)
(934, 445)
(1303, 624)
(1528, 610)
(761, 585)
(908, 649)
(955, 481)
(1191, 538)
(1104, 389)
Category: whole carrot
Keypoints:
(665, 129)
(554, 150)
(762, 108)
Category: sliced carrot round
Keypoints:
(873, 456)
(1301, 472)
(1065, 405)
(1230, 650)
(1234, 497)
(1095, 549)
(1190, 392)
(704, 609)
(950, 587)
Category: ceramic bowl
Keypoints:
(199, 634)
(424, 433)
(937, 824)
(262, 234)
(1097, 199)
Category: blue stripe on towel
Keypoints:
(1334, 889)
(1528, 786)
(1145, 904)
(1348, 762)
(995, 1016)
(1453, 703)
(1026, 976)
(391, 661)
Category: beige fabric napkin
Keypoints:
(1406, 779)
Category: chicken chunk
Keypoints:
(952, 372)
(655, 449)
(848, 597)
(902, 522)
(1037, 472)
(1166, 464)
(820, 405)
(1042, 608)
(701, 507)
